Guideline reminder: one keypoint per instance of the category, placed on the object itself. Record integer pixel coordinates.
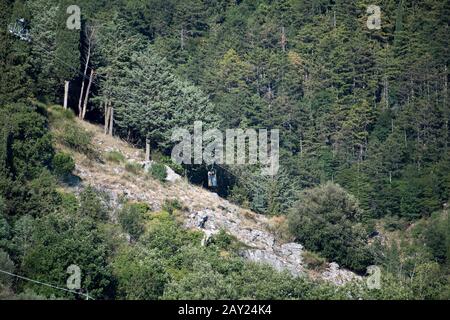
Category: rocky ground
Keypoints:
(200, 205)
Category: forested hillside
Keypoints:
(363, 115)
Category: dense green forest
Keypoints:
(364, 128)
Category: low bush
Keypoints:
(133, 167)
(392, 223)
(158, 171)
(63, 164)
(114, 156)
(77, 139)
(171, 205)
(160, 158)
(92, 204)
(313, 261)
(132, 217)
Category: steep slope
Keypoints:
(253, 230)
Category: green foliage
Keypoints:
(434, 233)
(59, 116)
(158, 171)
(132, 218)
(92, 204)
(172, 205)
(325, 219)
(115, 156)
(63, 164)
(77, 139)
(140, 274)
(392, 223)
(163, 234)
(59, 240)
(133, 167)
(67, 48)
(5, 265)
(313, 261)
(41, 197)
(160, 158)
(225, 241)
(69, 202)
(16, 83)
(22, 233)
(368, 110)
(26, 142)
(161, 102)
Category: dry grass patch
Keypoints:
(278, 225)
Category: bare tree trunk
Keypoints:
(90, 40)
(147, 149)
(445, 106)
(386, 92)
(283, 39)
(66, 93)
(301, 147)
(111, 120)
(182, 38)
(80, 100)
(91, 77)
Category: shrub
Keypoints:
(29, 149)
(59, 240)
(77, 139)
(326, 220)
(225, 241)
(115, 156)
(160, 158)
(393, 223)
(7, 265)
(133, 167)
(91, 204)
(132, 217)
(158, 171)
(42, 197)
(170, 205)
(140, 275)
(313, 261)
(58, 113)
(63, 164)
(69, 202)
(279, 226)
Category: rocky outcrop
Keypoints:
(262, 245)
(285, 257)
(205, 210)
(337, 275)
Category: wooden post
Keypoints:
(107, 116)
(147, 149)
(66, 93)
(111, 120)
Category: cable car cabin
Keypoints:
(212, 179)
(20, 29)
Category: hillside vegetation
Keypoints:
(364, 173)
